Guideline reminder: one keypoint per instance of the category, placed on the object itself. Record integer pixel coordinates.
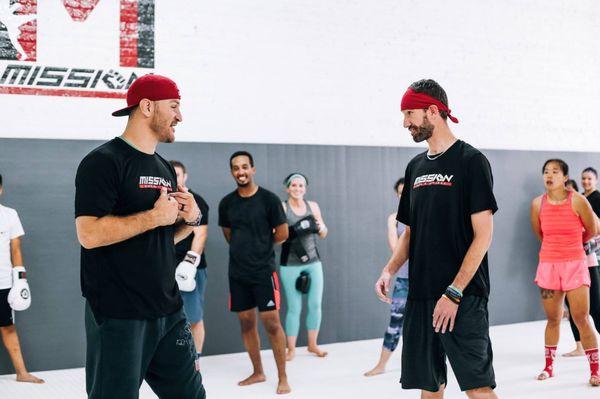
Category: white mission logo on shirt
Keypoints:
(155, 182)
(433, 179)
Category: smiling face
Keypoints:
(297, 188)
(554, 177)
(242, 171)
(589, 181)
(165, 117)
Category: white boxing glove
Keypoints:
(19, 296)
(185, 274)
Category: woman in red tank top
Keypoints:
(563, 220)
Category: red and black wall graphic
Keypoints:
(137, 33)
(18, 29)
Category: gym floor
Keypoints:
(518, 349)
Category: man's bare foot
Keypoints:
(317, 351)
(253, 379)
(283, 387)
(289, 356)
(595, 380)
(575, 353)
(379, 369)
(26, 377)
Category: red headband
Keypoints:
(413, 100)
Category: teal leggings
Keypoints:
(289, 274)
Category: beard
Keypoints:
(423, 132)
(246, 184)
(162, 129)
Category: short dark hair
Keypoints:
(398, 182)
(178, 164)
(239, 154)
(561, 164)
(432, 89)
(588, 169)
(132, 110)
(573, 184)
(0, 180)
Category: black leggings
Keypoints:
(594, 302)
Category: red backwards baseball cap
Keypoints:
(152, 87)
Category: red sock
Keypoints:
(592, 355)
(550, 355)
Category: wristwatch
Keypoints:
(196, 222)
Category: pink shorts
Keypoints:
(562, 276)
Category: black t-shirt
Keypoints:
(437, 203)
(594, 200)
(251, 220)
(135, 278)
(185, 245)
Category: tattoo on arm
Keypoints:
(547, 294)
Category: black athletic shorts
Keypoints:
(6, 313)
(468, 347)
(263, 293)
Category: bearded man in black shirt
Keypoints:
(129, 215)
(253, 221)
(447, 205)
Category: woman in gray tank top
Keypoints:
(301, 267)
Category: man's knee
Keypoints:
(247, 323)
(481, 393)
(433, 395)
(272, 325)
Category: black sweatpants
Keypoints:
(594, 302)
(123, 353)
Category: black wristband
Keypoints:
(453, 295)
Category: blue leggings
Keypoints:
(394, 330)
(289, 274)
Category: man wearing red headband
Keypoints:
(129, 215)
(447, 205)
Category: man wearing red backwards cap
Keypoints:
(129, 215)
(447, 206)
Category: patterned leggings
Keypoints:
(394, 330)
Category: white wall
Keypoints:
(519, 75)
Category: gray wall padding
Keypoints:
(353, 186)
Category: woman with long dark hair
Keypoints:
(563, 220)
